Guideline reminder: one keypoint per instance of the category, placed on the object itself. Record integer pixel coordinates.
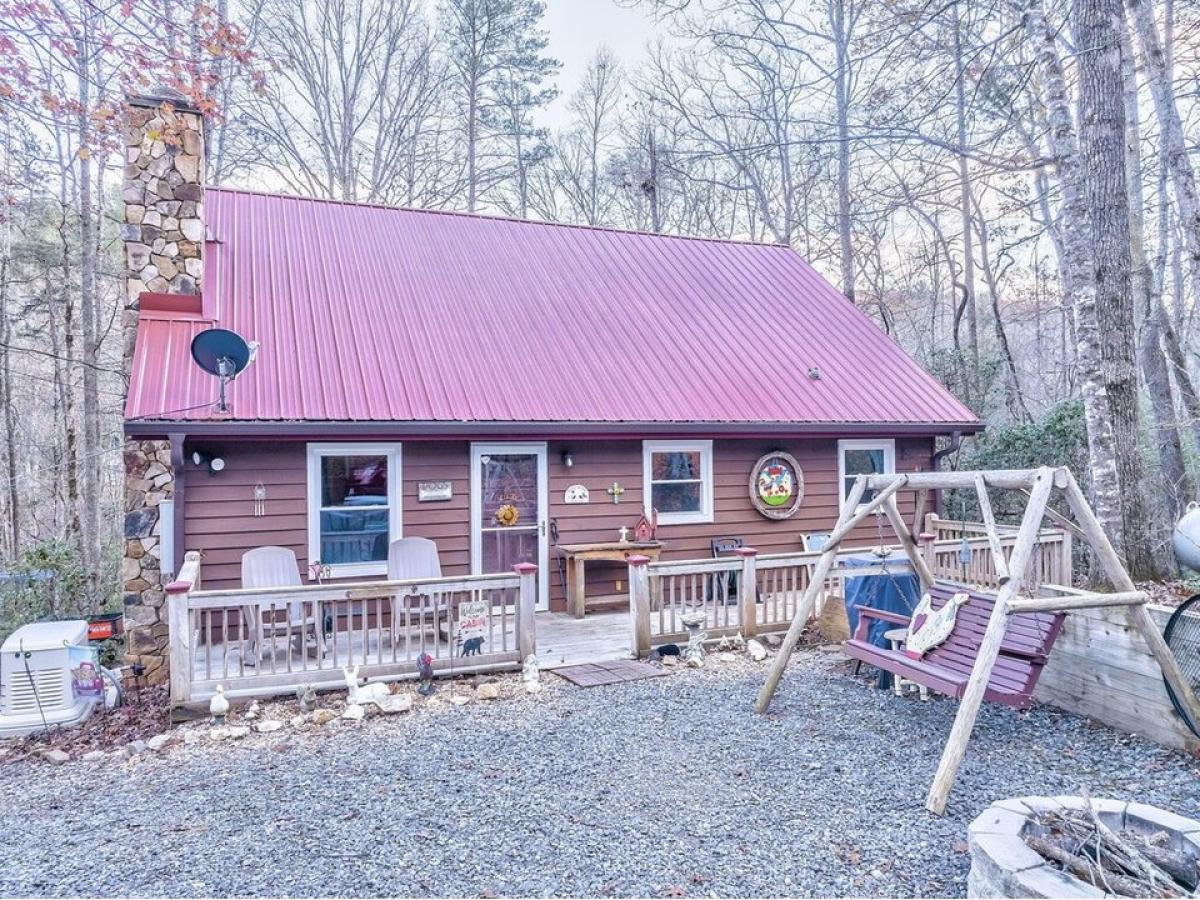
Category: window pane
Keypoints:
(354, 535)
(674, 466)
(504, 549)
(509, 482)
(864, 462)
(681, 497)
(354, 480)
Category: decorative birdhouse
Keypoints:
(646, 529)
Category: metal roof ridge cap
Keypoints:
(736, 242)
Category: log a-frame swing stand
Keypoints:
(1038, 485)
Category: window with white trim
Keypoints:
(864, 457)
(677, 480)
(353, 506)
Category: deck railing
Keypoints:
(264, 641)
(754, 594)
(1051, 562)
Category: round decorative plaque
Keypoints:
(777, 485)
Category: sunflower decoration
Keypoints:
(507, 515)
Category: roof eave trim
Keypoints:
(558, 430)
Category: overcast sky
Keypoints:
(577, 27)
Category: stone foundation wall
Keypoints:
(149, 480)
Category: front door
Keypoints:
(509, 502)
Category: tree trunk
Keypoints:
(965, 203)
(12, 489)
(842, 102)
(88, 252)
(1102, 461)
(1014, 396)
(1148, 299)
(1174, 144)
(472, 142)
(1097, 27)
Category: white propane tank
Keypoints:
(1186, 538)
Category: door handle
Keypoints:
(542, 526)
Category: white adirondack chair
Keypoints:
(276, 567)
(415, 558)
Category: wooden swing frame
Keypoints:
(1038, 485)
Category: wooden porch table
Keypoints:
(577, 555)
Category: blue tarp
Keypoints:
(896, 590)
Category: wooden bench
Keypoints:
(946, 668)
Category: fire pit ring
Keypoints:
(1002, 865)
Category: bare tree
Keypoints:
(497, 49)
(350, 106)
(579, 164)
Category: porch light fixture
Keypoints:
(568, 459)
(215, 463)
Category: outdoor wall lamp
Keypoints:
(215, 463)
(567, 459)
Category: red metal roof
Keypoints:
(373, 314)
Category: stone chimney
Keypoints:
(164, 213)
(163, 233)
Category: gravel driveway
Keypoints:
(665, 787)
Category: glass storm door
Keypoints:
(509, 511)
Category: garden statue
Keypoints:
(529, 672)
(306, 696)
(359, 694)
(425, 670)
(218, 706)
(693, 653)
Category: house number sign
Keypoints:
(777, 485)
(434, 490)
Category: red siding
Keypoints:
(219, 516)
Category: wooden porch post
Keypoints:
(526, 604)
(748, 591)
(179, 625)
(639, 604)
(1066, 562)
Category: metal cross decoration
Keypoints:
(615, 491)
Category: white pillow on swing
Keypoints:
(929, 628)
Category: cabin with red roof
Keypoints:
(512, 391)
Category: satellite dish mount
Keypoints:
(223, 353)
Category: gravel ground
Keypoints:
(665, 787)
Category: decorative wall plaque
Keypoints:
(777, 485)
(434, 490)
(576, 493)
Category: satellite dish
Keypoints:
(223, 353)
